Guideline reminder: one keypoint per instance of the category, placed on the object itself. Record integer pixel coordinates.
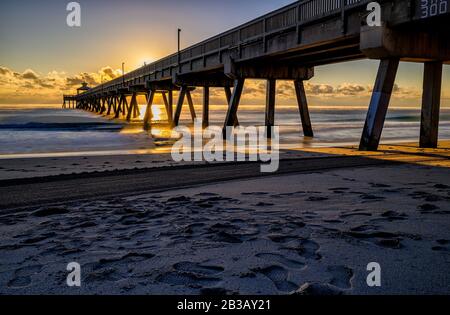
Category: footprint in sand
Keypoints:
(263, 204)
(380, 238)
(126, 258)
(355, 213)
(363, 228)
(316, 198)
(425, 196)
(22, 276)
(230, 233)
(278, 275)
(378, 185)
(256, 193)
(443, 242)
(290, 263)
(305, 248)
(280, 238)
(442, 246)
(370, 198)
(192, 275)
(440, 249)
(391, 216)
(341, 276)
(339, 189)
(186, 266)
(427, 208)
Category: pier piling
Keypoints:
(379, 103)
(431, 98)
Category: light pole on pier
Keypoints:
(123, 72)
(179, 56)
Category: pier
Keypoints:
(286, 45)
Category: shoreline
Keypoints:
(37, 167)
(21, 192)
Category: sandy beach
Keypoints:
(296, 232)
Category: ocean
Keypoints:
(48, 130)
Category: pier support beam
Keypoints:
(233, 104)
(103, 106)
(110, 103)
(119, 106)
(114, 103)
(98, 105)
(148, 110)
(185, 92)
(170, 106)
(379, 103)
(303, 108)
(431, 101)
(124, 105)
(228, 96)
(270, 106)
(181, 96)
(227, 93)
(205, 111)
(132, 107)
(191, 105)
(136, 111)
(167, 106)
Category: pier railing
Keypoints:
(291, 16)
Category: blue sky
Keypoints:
(35, 34)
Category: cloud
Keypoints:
(31, 86)
(406, 92)
(351, 89)
(95, 78)
(4, 71)
(30, 75)
(319, 89)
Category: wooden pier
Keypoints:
(286, 45)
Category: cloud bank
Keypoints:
(31, 87)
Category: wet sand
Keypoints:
(307, 232)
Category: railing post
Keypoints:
(343, 26)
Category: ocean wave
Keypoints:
(79, 126)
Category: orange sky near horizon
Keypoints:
(325, 89)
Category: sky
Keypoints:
(41, 57)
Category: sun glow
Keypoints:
(156, 112)
(145, 60)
